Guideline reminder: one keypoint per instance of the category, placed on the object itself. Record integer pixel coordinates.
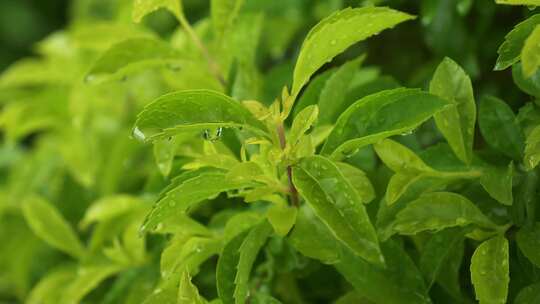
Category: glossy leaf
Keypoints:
(187, 292)
(456, 123)
(338, 205)
(181, 198)
(194, 111)
(358, 180)
(439, 210)
(532, 149)
(48, 224)
(489, 271)
(498, 183)
(510, 50)
(518, 2)
(353, 25)
(399, 158)
(378, 116)
(500, 128)
(142, 8)
(528, 242)
(530, 58)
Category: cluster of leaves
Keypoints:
(345, 188)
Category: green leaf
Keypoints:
(88, 278)
(378, 116)
(336, 33)
(195, 111)
(498, 183)
(528, 242)
(399, 282)
(529, 294)
(399, 158)
(530, 54)
(438, 210)
(223, 14)
(532, 149)
(302, 123)
(456, 123)
(358, 180)
(510, 50)
(49, 289)
(249, 250)
(529, 85)
(180, 199)
(227, 268)
(310, 96)
(142, 8)
(282, 218)
(164, 152)
(500, 127)
(437, 252)
(489, 271)
(332, 98)
(48, 224)
(185, 252)
(133, 55)
(518, 2)
(398, 185)
(187, 292)
(312, 238)
(110, 207)
(320, 182)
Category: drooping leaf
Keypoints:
(194, 111)
(320, 182)
(352, 25)
(142, 8)
(500, 128)
(510, 50)
(187, 292)
(249, 250)
(489, 271)
(48, 224)
(530, 54)
(455, 123)
(439, 210)
(181, 198)
(528, 242)
(529, 294)
(378, 116)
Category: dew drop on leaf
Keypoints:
(138, 134)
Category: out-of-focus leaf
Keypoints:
(489, 271)
(48, 224)
(529, 85)
(510, 50)
(532, 149)
(109, 207)
(530, 55)
(500, 127)
(455, 123)
(193, 111)
(223, 13)
(142, 8)
(529, 294)
(338, 204)
(50, 288)
(378, 116)
(518, 2)
(528, 242)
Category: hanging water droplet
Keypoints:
(212, 135)
(138, 134)
(409, 132)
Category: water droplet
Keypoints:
(212, 135)
(333, 42)
(138, 134)
(89, 78)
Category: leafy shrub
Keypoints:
(277, 166)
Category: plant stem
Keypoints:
(283, 144)
(212, 64)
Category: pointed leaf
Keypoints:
(399, 158)
(88, 278)
(187, 292)
(510, 50)
(489, 271)
(530, 54)
(455, 123)
(378, 116)
(320, 182)
(142, 8)
(358, 180)
(302, 122)
(532, 149)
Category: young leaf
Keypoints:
(180, 199)
(187, 292)
(510, 50)
(249, 250)
(399, 158)
(532, 149)
(378, 116)
(489, 271)
(439, 210)
(48, 224)
(529, 85)
(332, 98)
(529, 294)
(338, 205)
(500, 128)
(195, 111)
(336, 33)
(530, 54)
(527, 241)
(282, 218)
(455, 123)
(302, 122)
(88, 277)
(223, 13)
(142, 8)
(132, 55)
(358, 180)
